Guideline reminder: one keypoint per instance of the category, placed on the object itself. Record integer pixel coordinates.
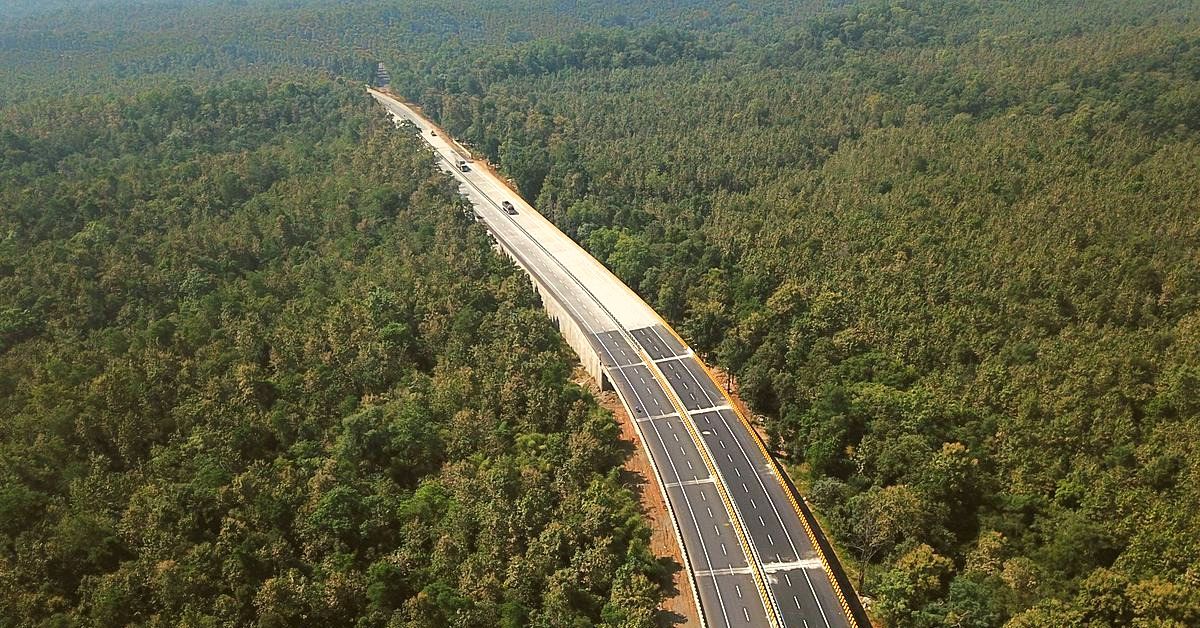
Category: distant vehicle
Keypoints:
(433, 133)
(462, 165)
(508, 208)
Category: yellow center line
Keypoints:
(812, 537)
(779, 472)
(755, 566)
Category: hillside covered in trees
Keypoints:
(951, 250)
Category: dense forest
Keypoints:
(951, 250)
(257, 366)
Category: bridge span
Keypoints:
(753, 554)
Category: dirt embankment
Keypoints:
(678, 608)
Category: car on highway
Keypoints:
(433, 133)
(508, 208)
(462, 165)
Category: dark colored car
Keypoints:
(508, 208)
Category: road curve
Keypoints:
(750, 553)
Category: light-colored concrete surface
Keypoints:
(745, 544)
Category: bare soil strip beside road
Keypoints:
(750, 551)
(678, 608)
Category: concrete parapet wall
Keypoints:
(598, 315)
(567, 325)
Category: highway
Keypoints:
(749, 553)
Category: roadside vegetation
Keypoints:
(949, 249)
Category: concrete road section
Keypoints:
(748, 552)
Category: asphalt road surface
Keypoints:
(735, 519)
